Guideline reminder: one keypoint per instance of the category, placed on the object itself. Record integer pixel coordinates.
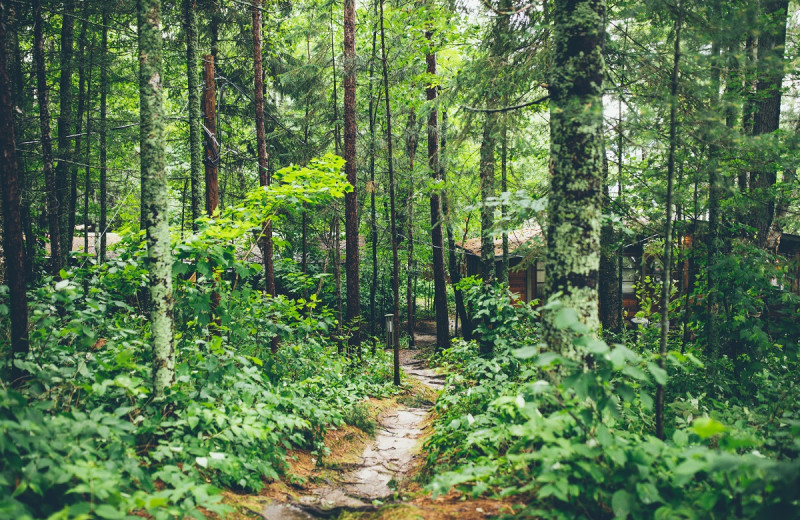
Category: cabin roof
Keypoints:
(516, 239)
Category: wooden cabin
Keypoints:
(526, 274)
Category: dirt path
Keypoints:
(386, 459)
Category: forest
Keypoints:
(400, 259)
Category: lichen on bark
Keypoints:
(576, 164)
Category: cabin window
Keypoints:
(629, 271)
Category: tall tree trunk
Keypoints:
(437, 240)
(411, 149)
(261, 140)
(502, 273)
(65, 127)
(373, 288)
(155, 194)
(88, 172)
(453, 263)
(488, 143)
(767, 108)
(13, 247)
(576, 164)
(609, 295)
(53, 220)
(666, 282)
(211, 150)
(337, 137)
(72, 183)
(351, 198)
(195, 115)
(104, 63)
(714, 196)
(393, 211)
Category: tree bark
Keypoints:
(411, 150)
(373, 288)
(54, 222)
(767, 108)
(103, 134)
(488, 144)
(393, 211)
(453, 263)
(437, 240)
(576, 165)
(263, 169)
(609, 294)
(502, 274)
(195, 113)
(155, 194)
(72, 183)
(351, 198)
(88, 172)
(13, 246)
(63, 166)
(666, 282)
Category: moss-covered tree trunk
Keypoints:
(195, 115)
(13, 247)
(488, 144)
(155, 192)
(351, 198)
(576, 164)
(437, 237)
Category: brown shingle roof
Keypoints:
(516, 238)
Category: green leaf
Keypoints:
(621, 504)
(707, 427)
(525, 352)
(659, 374)
(107, 511)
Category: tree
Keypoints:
(351, 198)
(392, 209)
(13, 247)
(576, 164)
(53, 215)
(104, 65)
(63, 166)
(437, 239)
(411, 151)
(195, 115)
(261, 144)
(155, 195)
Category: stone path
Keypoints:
(389, 456)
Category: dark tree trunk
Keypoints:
(767, 108)
(263, 170)
(488, 144)
(609, 294)
(337, 136)
(155, 201)
(211, 151)
(437, 240)
(195, 113)
(88, 172)
(104, 63)
(666, 282)
(211, 144)
(576, 164)
(63, 166)
(453, 263)
(351, 198)
(411, 150)
(54, 223)
(72, 184)
(13, 247)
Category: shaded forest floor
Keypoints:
(373, 471)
